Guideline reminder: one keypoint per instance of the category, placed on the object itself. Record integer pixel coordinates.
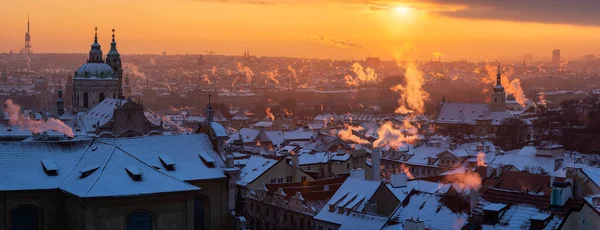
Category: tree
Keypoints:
(511, 133)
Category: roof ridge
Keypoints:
(77, 165)
(101, 172)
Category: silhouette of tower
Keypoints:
(27, 48)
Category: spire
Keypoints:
(95, 52)
(209, 110)
(498, 82)
(113, 46)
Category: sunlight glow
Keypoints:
(403, 10)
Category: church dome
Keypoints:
(94, 70)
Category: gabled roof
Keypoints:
(437, 211)
(518, 216)
(352, 189)
(254, 168)
(21, 168)
(101, 113)
(111, 178)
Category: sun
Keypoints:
(403, 10)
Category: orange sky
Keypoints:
(287, 29)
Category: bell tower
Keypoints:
(498, 102)
(113, 59)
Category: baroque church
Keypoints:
(479, 119)
(98, 79)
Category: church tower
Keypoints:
(498, 102)
(209, 111)
(113, 59)
(60, 107)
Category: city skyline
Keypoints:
(332, 29)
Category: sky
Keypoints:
(341, 29)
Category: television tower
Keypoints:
(27, 49)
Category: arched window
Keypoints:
(85, 100)
(199, 213)
(101, 97)
(139, 220)
(25, 217)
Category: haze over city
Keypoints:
(474, 30)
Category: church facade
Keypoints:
(479, 119)
(98, 78)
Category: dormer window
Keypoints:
(49, 167)
(167, 162)
(134, 172)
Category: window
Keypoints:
(24, 217)
(347, 165)
(273, 180)
(280, 180)
(288, 179)
(320, 227)
(199, 213)
(139, 220)
(303, 178)
(85, 100)
(101, 97)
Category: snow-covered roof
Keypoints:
(263, 124)
(219, 129)
(468, 113)
(100, 167)
(353, 189)
(519, 216)
(101, 113)
(109, 177)
(433, 210)
(254, 167)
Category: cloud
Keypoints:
(336, 42)
(574, 12)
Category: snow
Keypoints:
(430, 208)
(519, 217)
(494, 207)
(254, 167)
(219, 129)
(350, 187)
(101, 113)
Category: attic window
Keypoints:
(207, 159)
(134, 173)
(50, 167)
(88, 171)
(167, 162)
(266, 163)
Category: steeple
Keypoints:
(95, 52)
(113, 46)
(113, 59)
(209, 110)
(498, 102)
(498, 87)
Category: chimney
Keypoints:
(230, 162)
(498, 150)
(398, 180)
(453, 146)
(561, 193)
(371, 207)
(375, 163)
(487, 148)
(357, 173)
(414, 224)
(295, 168)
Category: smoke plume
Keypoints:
(35, 126)
(348, 135)
(512, 87)
(362, 75)
(293, 73)
(481, 159)
(271, 75)
(389, 135)
(246, 70)
(467, 180)
(269, 114)
(132, 70)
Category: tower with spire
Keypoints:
(209, 110)
(113, 59)
(498, 102)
